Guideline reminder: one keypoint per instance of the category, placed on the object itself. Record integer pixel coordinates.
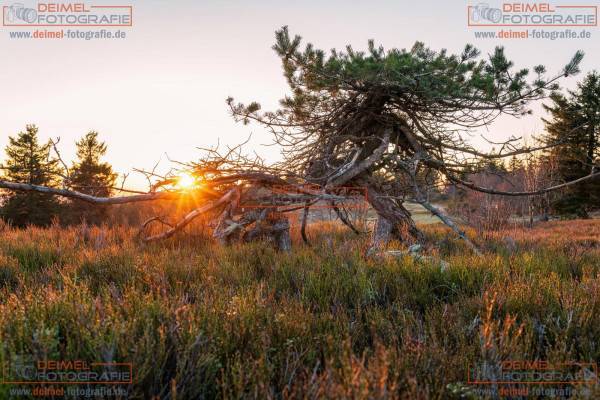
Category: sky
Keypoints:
(161, 90)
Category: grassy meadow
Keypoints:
(198, 320)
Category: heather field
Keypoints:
(198, 320)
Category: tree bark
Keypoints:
(381, 233)
(275, 228)
(281, 235)
(393, 220)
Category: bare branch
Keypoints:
(532, 193)
(191, 216)
(304, 220)
(86, 197)
(353, 170)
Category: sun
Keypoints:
(186, 181)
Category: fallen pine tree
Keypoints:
(392, 123)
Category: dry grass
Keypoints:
(244, 321)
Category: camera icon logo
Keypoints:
(483, 12)
(18, 12)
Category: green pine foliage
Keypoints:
(515, 164)
(575, 124)
(29, 162)
(92, 176)
(425, 79)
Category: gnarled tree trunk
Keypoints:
(393, 220)
(273, 226)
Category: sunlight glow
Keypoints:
(186, 182)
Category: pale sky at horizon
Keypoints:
(163, 88)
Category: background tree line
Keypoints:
(572, 136)
(29, 161)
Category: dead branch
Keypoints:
(352, 170)
(86, 197)
(191, 216)
(344, 218)
(67, 176)
(304, 220)
(520, 194)
(446, 220)
(150, 221)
